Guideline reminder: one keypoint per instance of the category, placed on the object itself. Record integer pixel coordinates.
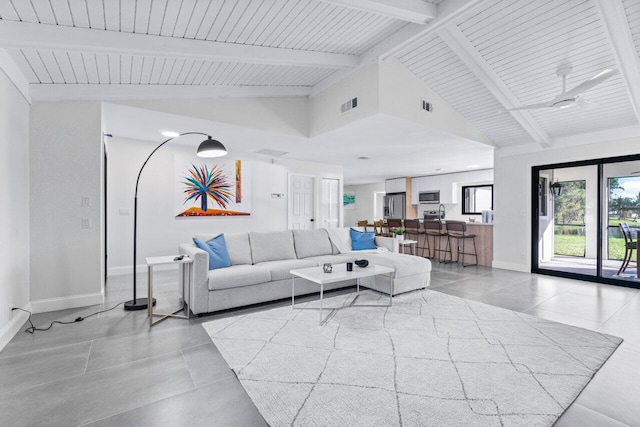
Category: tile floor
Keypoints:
(112, 370)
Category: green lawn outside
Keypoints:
(574, 245)
(616, 222)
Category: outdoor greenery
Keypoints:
(574, 245)
(568, 217)
(569, 212)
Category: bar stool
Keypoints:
(434, 228)
(378, 227)
(393, 223)
(413, 230)
(458, 230)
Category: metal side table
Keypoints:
(185, 268)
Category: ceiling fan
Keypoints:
(571, 97)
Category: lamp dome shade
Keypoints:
(211, 148)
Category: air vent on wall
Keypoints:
(349, 105)
(272, 153)
(427, 106)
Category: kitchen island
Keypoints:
(484, 244)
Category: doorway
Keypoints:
(330, 203)
(301, 202)
(585, 222)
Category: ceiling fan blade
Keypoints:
(588, 84)
(585, 103)
(528, 107)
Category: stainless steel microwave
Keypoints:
(429, 197)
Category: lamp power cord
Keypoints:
(32, 329)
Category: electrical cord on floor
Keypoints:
(32, 329)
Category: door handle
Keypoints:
(311, 220)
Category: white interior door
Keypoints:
(302, 195)
(330, 203)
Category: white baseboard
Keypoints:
(73, 301)
(511, 266)
(119, 271)
(13, 327)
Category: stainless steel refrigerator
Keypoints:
(394, 205)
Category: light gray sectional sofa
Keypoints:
(261, 261)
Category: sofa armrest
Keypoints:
(198, 297)
(387, 242)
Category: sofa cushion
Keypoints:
(340, 239)
(311, 243)
(362, 240)
(237, 246)
(271, 246)
(280, 269)
(217, 250)
(237, 276)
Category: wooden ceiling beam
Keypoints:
(467, 53)
(616, 25)
(416, 11)
(25, 35)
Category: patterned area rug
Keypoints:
(430, 359)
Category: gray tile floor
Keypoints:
(112, 370)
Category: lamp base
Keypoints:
(138, 304)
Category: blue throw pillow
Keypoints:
(361, 240)
(217, 250)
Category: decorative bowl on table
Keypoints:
(362, 263)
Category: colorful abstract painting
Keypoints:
(211, 187)
(349, 200)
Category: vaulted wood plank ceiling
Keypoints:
(481, 56)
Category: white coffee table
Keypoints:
(339, 274)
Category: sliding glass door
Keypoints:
(586, 220)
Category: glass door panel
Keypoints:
(622, 223)
(567, 229)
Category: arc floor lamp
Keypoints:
(207, 148)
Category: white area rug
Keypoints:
(429, 360)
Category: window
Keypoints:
(477, 198)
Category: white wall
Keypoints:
(65, 167)
(288, 116)
(325, 113)
(512, 195)
(159, 232)
(401, 95)
(14, 209)
(365, 203)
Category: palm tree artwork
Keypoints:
(204, 183)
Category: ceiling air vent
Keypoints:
(349, 105)
(272, 153)
(427, 106)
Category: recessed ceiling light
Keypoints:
(363, 158)
(170, 134)
(473, 166)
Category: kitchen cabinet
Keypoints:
(396, 185)
(447, 184)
